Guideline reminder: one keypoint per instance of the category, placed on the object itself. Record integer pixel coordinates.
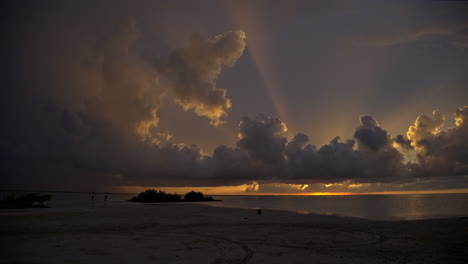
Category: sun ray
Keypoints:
(244, 16)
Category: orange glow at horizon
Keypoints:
(328, 193)
(218, 190)
(240, 190)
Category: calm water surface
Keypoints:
(382, 207)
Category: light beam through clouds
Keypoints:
(244, 14)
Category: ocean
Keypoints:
(376, 207)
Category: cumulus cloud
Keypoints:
(101, 73)
(425, 126)
(130, 93)
(262, 154)
(333, 161)
(370, 135)
(403, 142)
(257, 155)
(375, 159)
(461, 117)
(95, 72)
(441, 152)
(262, 138)
(193, 71)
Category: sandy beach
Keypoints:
(195, 233)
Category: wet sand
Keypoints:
(194, 233)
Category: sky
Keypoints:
(235, 97)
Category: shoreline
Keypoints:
(184, 233)
(93, 205)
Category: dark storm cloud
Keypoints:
(275, 159)
(258, 154)
(370, 134)
(262, 138)
(233, 166)
(87, 105)
(338, 161)
(333, 161)
(374, 159)
(95, 147)
(403, 142)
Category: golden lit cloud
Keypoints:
(192, 72)
(425, 126)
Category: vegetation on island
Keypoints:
(26, 200)
(196, 197)
(155, 196)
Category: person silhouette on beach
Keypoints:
(105, 197)
(92, 196)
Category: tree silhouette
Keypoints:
(196, 196)
(154, 196)
(26, 200)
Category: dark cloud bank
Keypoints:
(87, 115)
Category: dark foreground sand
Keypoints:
(192, 233)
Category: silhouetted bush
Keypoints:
(196, 196)
(193, 196)
(28, 200)
(153, 196)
